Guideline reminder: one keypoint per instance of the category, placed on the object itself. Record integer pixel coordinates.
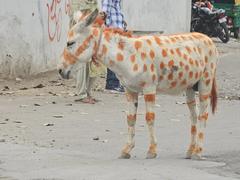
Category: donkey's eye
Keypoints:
(70, 43)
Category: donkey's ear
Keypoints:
(90, 19)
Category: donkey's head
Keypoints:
(80, 45)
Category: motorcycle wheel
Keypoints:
(223, 33)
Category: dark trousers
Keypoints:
(112, 81)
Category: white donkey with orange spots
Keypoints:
(150, 65)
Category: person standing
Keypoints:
(114, 19)
(84, 79)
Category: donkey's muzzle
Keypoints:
(63, 74)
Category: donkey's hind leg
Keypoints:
(191, 102)
(205, 87)
(132, 99)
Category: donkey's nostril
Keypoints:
(60, 71)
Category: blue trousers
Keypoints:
(112, 80)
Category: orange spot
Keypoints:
(170, 63)
(121, 45)
(133, 58)
(196, 75)
(172, 51)
(161, 78)
(164, 53)
(143, 56)
(152, 54)
(181, 63)
(193, 129)
(180, 75)
(206, 74)
(173, 84)
(107, 36)
(135, 67)
(152, 67)
(111, 63)
(191, 61)
(200, 135)
(119, 57)
(144, 68)
(154, 77)
(210, 53)
(173, 40)
(162, 65)
(208, 82)
(71, 59)
(131, 117)
(104, 49)
(170, 76)
(158, 40)
(188, 49)
(138, 45)
(179, 52)
(185, 57)
(204, 97)
(149, 97)
(190, 74)
(206, 59)
(150, 116)
(95, 32)
(203, 117)
(70, 34)
(196, 62)
(149, 42)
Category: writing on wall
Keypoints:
(56, 10)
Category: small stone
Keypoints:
(2, 140)
(58, 116)
(48, 124)
(96, 138)
(39, 86)
(37, 104)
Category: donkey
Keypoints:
(150, 64)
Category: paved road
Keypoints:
(51, 137)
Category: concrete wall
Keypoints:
(170, 16)
(32, 35)
(33, 32)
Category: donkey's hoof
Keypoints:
(151, 155)
(188, 155)
(125, 156)
(197, 157)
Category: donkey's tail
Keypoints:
(214, 96)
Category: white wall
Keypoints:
(33, 32)
(170, 16)
(32, 35)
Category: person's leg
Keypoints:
(81, 85)
(112, 81)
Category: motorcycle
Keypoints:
(212, 23)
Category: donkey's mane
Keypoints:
(119, 31)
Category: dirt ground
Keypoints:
(45, 134)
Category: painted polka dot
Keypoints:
(173, 84)
(178, 52)
(180, 75)
(164, 52)
(143, 55)
(95, 32)
(133, 58)
(185, 57)
(138, 45)
(170, 76)
(208, 82)
(196, 75)
(158, 40)
(186, 67)
(184, 82)
(210, 53)
(144, 68)
(191, 61)
(152, 67)
(161, 78)
(152, 54)
(162, 65)
(104, 49)
(206, 59)
(121, 45)
(172, 51)
(190, 74)
(119, 57)
(170, 63)
(181, 64)
(149, 42)
(154, 77)
(196, 62)
(135, 67)
(107, 37)
(206, 75)
(188, 49)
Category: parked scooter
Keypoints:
(211, 23)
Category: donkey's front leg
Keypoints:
(132, 99)
(150, 117)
